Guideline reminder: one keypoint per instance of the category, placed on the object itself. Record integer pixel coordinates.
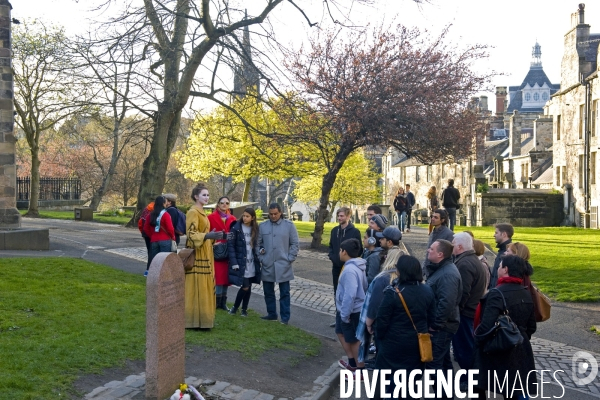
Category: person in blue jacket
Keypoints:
(244, 266)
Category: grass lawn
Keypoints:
(108, 217)
(61, 318)
(565, 260)
(306, 228)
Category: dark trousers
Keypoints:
(440, 344)
(463, 343)
(451, 217)
(408, 214)
(271, 300)
(148, 245)
(335, 274)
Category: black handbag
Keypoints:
(504, 335)
(220, 251)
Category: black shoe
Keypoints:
(332, 325)
(233, 310)
(269, 317)
(284, 322)
(244, 313)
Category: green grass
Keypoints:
(565, 260)
(109, 217)
(306, 228)
(61, 318)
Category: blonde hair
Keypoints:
(431, 192)
(520, 250)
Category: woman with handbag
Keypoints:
(200, 280)
(221, 220)
(401, 206)
(407, 308)
(244, 267)
(432, 203)
(159, 229)
(510, 298)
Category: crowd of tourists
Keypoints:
(385, 298)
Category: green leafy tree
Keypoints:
(356, 183)
(225, 143)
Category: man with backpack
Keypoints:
(177, 216)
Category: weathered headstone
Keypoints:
(165, 326)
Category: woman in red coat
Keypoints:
(221, 220)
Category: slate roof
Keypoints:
(535, 75)
(546, 177)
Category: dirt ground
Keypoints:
(281, 373)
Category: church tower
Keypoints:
(246, 76)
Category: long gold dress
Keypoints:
(200, 300)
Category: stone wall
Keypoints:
(524, 207)
(9, 216)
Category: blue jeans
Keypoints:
(162, 246)
(401, 220)
(284, 299)
(451, 217)
(440, 344)
(463, 343)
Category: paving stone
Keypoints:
(190, 380)
(234, 389)
(248, 394)
(113, 384)
(120, 392)
(96, 392)
(219, 386)
(264, 396)
(139, 382)
(208, 382)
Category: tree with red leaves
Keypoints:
(394, 88)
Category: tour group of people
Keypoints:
(228, 252)
(383, 296)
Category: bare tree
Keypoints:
(396, 88)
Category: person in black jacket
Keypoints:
(244, 266)
(474, 285)
(503, 236)
(450, 197)
(520, 360)
(398, 346)
(401, 207)
(344, 231)
(171, 207)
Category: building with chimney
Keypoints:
(574, 111)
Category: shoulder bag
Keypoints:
(543, 305)
(188, 255)
(504, 335)
(220, 251)
(425, 348)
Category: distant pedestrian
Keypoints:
(244, 266)
(349, 300)
(411, 203)
(159, 229)
(432, 204)
(450, 198)
(278, 247)
(503, 234)
(221, 220)
(401, 207)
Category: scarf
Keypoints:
(223, 215)
(501, 281)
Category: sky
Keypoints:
(509, 27)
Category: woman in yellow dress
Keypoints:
(200, 280)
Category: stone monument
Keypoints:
(165, 326)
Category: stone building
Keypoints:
(575, 114)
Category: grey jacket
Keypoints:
(280, 241)
(444, 279)
(373, 263)
(352, 287)
(441, 232)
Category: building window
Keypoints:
(594, 116)
(402, 173)
(536, 97)
(464, 176)
(581, 170)
(545, 96)
(563, 175)
(557, 172)
(527, 97)
(581, 120)
(558, 127)
(443, 171)
(417, 176)
(593, 168)
(429, 173)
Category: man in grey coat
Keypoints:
(277, 248)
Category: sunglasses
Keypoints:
(225, 203)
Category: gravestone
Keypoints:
(165, 326)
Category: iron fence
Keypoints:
(50, 188)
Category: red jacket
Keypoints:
(165, 225)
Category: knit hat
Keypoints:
(170, 196)
(380, 220)
(392, 233)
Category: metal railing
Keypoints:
(50, 188)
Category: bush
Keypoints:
(482, 188)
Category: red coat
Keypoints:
(221, 266)
(165, 225)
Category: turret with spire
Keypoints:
(536, 56)
(246, 76)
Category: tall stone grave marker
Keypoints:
(9, 215)
(165, 326)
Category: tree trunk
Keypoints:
(34, 187)
(328, 182)
(246, 189)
